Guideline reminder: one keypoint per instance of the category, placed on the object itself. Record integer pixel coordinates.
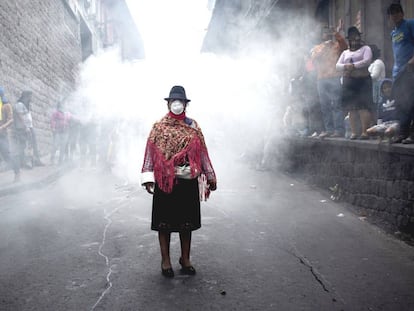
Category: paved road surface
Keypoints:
(268, 242)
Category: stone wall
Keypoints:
(40, 52)
(379, 178)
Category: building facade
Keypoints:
(44, 41)
(235, 22)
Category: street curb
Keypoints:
(24, 186)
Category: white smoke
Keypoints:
(237, 100)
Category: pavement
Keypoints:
(267, 242)
(37, 177)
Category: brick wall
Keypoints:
(40, 51)
(377, 178)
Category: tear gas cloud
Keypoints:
(238, 99)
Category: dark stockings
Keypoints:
(185, 241)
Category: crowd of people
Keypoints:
(79, 134)
(344, 91)
(75, 133)
(18, 142)
(344, 79)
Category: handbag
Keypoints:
(203, 188)
(184, 172)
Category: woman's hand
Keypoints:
(149, 186)
(349, 67)
(212, 185)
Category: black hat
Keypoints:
(376, 52)
(353, 31)
(177, 92)
(395, 8)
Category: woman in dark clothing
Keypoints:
(176, 158)
(357, 83)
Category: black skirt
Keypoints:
(178, 211)
(357, 93)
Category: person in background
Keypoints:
(294, 118)
(303, 115)
(377, 72)
(59, 124)
(175, 155)
(21, 131)
(6, 122)
(24, 114)
(388, 117)
(88, 130)
(313, 114)
(107, 143)
(324, 57)
(402, 37)
(73, 135)
(356, 83)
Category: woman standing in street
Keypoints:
(175, 157)
(357, 83)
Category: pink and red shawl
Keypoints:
(173, 142)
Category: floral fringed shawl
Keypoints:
(174, 142)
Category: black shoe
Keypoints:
(168, 273)
(398, 139)
(187, 270)
(408, 140)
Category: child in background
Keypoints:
(388, 119)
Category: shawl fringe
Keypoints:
(164, 170)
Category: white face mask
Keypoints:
(177, 107)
